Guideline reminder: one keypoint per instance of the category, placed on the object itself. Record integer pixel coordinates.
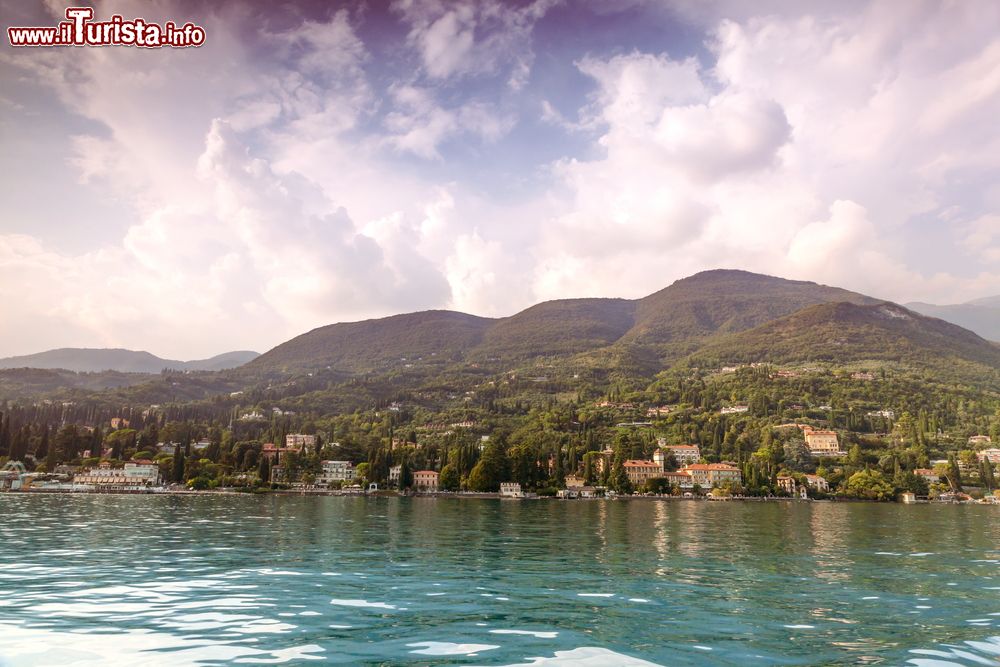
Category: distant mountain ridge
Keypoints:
(979, 315)
(846, 332)
(93, 360)
(679, 316)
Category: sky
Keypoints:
(319, 162)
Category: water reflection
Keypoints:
(200, 580)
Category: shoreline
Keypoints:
(462, 495)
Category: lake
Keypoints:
(186, 580)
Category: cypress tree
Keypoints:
(178, 464)
(264, 470)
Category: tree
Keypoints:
(264, 470)
(986, 474)
(449, 479)
(361, 472)
(954, 474)
(870, 485)
(178, 472)
(797, 456)
(492, 469)
(406, 474)
(618, 481)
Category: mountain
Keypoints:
(980, 315)
(367, 345)
(92, 360)
(725, 301)
(849, 332)
(683, 314)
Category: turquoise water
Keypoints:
(170, 580)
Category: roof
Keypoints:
(710, 466)
(682, 447)
(633, 463)
(425, 472)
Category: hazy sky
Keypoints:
(313, 164)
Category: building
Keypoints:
(395, 472)
(143, 471)
(574, 482)
(991, 455)
(425, 480)
(510, 490)
(119, 422)
(818, 483)
(679, 478)
(928, 474)
(713, 474)
(335, 471)
(786, 484)
(734, 410)
(300, 441)
(639, 471)
(135, 475)
(683, 454)
(822, 443)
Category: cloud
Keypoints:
(268, 176)
(805, 147)
(473, 37)
(419, 125)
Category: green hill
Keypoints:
(566, 326)
(684, 313)
(849, 332)
(372, 344)
(725, 301)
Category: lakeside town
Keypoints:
(674, 470)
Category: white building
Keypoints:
(395, 472)
(683, 454)
(511, 490)
(135, 475)
(818, 483)
(335, 471)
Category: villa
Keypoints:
(425, 480)
(818, 483)
(335, 471)
(713, 474)
(822, 443)
(511, 490)
(639, 471)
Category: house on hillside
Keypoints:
(822, 443)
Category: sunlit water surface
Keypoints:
(170, 580)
